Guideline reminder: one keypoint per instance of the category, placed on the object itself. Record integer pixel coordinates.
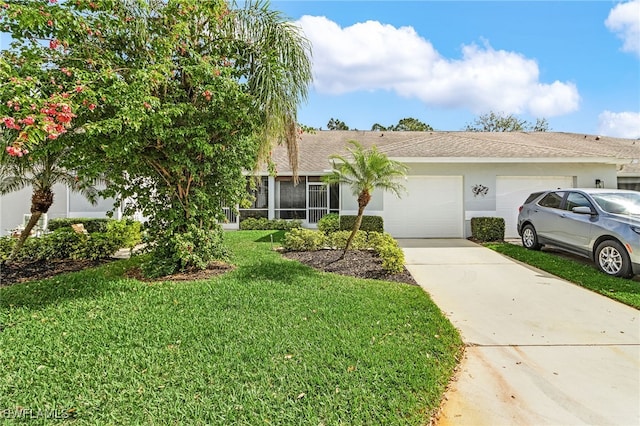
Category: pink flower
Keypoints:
(53, 44)
(92, 107)
(29, 120)
(10, 123)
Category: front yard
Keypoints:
(272, 342)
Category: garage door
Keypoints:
(512, 191)
(432, 207)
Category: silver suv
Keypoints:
(600, 224)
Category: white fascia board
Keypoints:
(600, 160)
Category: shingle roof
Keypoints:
(315, 148)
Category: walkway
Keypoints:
(541, 351)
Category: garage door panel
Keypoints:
(432, 207)
(512, 191)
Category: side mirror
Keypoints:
(583, 210)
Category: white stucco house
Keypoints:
(453, 176)
(14, 206)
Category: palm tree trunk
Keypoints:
(24, 235)
(41, 201)
(354, 231)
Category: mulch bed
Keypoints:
(356, 263)
(23, 271)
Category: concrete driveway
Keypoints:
(540, 350)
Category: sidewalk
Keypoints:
(540, 350)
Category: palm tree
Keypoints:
(277, 59)
(365, 171)
(41, 172)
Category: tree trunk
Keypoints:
(41, 201)
(363, 200)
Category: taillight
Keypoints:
(520, 209)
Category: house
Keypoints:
(16, 206)
(453, 177)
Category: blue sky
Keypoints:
(575, 63)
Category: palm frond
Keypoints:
(279, 71)
(365, 170)
(13, 183)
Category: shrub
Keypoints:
(6, 246)
(34, 249)
(61, 244)
(90, 224)
(487, 228)
(301, 239)
(339, 239)
(252, 223)
(377, 239)
(329, 223)
(99, 246)
(262, 223)
(369, 223)
(392, 257)
(389, 251)
(285, 224)
(196, 248)
(124, 233)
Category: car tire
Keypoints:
(530, 238)
(612, 259)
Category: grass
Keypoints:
(586, 275)
(273, 342)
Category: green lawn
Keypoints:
(273, 342)
(620, 289)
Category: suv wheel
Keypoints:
(530, 238)
(612, 259)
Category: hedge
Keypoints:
(263, 224)
(90, 224)
(65, 243)
(487, 228)
(369, 223)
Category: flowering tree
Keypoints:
(170, 100)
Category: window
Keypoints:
(552, 200)
(291, 200)
(334, 198)
(258, 190)
(575, 199)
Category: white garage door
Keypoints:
(432, 207)
(512, 191)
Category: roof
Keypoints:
(315, 148)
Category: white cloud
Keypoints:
(372, 56)
(624, 20)
(619, 124)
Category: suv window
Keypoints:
(575, 199)
(532, 197)
(552, 200)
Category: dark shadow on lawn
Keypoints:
(275, 237)
(89, 283)
(283, 271)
